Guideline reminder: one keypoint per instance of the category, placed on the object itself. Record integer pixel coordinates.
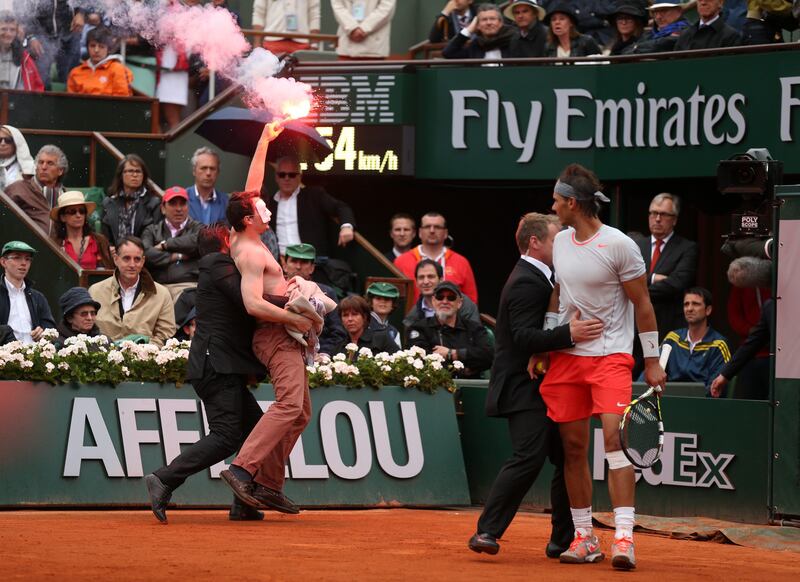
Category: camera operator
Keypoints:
(750, 276)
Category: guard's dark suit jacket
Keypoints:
(518, 335)
(512, 393)
(678, 261)
(316, 211)
(224, 332)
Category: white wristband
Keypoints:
(649, 341)
(550, 320)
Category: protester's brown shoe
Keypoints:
(242, 489)
(274, 499)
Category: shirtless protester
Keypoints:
(257, 473)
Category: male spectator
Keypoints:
(668, 24)
(365, 28)
(206, 204)
(17, 68)
(23, 309)
(532, 34)
(710, 31)
(38, 195)
(427, 275)
(402, 231)
(298, 17)
(301, 214)
(455, 16)
(131, 302)
(670, 260)
(486, 37)
(450, 336)
(299, 260)
(698, 350)
(102, 73)
(54, 37)
(171, 244)
(456, 268)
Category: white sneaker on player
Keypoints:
(622, 556)
(584, 549)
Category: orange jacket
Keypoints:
(108, 77)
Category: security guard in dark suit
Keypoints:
(519, 334)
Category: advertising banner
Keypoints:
(91, 445)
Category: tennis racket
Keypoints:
(641, 429)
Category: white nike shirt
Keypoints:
(591, 274)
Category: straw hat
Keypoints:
(72, 198)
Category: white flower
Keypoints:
(49, 366)
(410, 381)
(63, 366)
(126, 371)
(457, 365)
(172, 343)
(351, 347)
(411, 360)
(26, 364)
(435, 365)
(364, 352)
(416, 350)
(418, 365)
(339, 357)
(115, 357)
(49, 334)
(386, 368)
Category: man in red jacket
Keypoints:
(433, 232)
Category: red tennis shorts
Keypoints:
(577, 387)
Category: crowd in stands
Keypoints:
(586, 28)
(152, 243)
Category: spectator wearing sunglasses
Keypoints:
(450, 336)
(307, 215)
(72, 232)
(79, 314)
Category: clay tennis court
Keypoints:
(382, 544)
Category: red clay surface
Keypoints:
(383, 544)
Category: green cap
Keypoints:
(383, 289)
(18, 246)
(302, 251)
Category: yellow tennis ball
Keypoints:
(539, 368)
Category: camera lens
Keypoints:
(744, 175)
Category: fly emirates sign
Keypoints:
(483, 118)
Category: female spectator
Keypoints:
(382, 298)
(72, 232)
(355, 314)
(16, 161)
(563, 38)
(486, 37)
(130, 207)
(79, 314)
(18, 70)
(629, 22)
(172, 87)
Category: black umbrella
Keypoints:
(237, 130)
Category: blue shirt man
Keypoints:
(698, 351)
(206, 204)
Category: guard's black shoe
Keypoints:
(553, 550)
(159, 494)
(484, 543)
(241, 512)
